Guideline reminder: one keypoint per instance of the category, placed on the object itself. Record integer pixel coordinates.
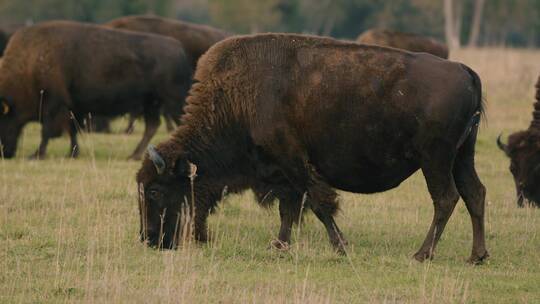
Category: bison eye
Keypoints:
(154, 194)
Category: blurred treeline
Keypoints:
(499, 22)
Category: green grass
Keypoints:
(68, 229)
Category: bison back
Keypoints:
(363, 113)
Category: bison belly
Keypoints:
(360, 174)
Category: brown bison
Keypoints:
(295, 117)
(406, 41)
(195, 38)
(523, 148)
(59, 70)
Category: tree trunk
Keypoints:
(458, 13)
(449, 23)
(329, 25)
(476, 23)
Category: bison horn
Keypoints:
(158, 161)
(502, 146)
(5, 108)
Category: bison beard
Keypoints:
(309, 115)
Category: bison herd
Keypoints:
(291, 117)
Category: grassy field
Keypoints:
(68, 229)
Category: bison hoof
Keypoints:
(74, 153)
(279, 245)
(421, 256)
(341, 250)
(477, 259)
(340, 244)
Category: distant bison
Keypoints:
(55, 71)
(523, 148)
(295, 117)
(406, 41)
(195, 38)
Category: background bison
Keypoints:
(523, 148)
(60, 70)
(195, 38)
(309, 115)
(406, 41)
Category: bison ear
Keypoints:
(184, 168)
(503, 146)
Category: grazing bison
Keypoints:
(523, 148)
(195, 38)
(57, 70)
(406, 41)
(309, 115)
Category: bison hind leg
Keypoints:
(437, 169)
(473, 193)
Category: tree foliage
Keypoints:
(515, 22)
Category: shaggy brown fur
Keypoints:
(405, 41)
(55, 71)
(308, 115)
(524, 151)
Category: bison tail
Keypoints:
(477, 84)
(479, 106)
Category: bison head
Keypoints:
(523, 149)
(10, 128)
(166, 200)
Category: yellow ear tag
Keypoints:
(5, 108)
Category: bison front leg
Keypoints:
(290, 209)
(131, 124)
(151, 119)
(438, 174)
(305, 180)
(323, 202)
(74, 150)
(52, 126)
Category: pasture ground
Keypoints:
(68, 229)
